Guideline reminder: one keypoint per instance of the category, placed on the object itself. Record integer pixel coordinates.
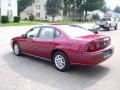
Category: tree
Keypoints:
(67, 6)
(65, 10)
(117, 9)
(22, 4)
(105, 9)
(81, 6)
(31, 17)
(72, 5)
(53, 8)
(95, 16)
(91, 5)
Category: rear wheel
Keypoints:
(61, 61)
(116, 27)
(107, 28)
(16, 49)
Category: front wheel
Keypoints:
(61, 61)
(116, 27)
(107, 28)
(16, 49)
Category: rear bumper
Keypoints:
(105, 25)
(95, 58)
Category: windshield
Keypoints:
(74, 31)
(106, 19)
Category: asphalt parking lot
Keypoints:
(28, 73)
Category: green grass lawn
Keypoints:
(21, 23)
(25, 23)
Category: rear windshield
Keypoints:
(106, 19)
(76, 31)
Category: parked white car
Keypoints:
(107, 23)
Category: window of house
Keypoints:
(38, 14)
(9, 2)
(44, 6)
(9, 13)
(29, 13)
(37, 6)
(45, 16)
(0, 11)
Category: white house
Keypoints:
(112, 14)
(38, 9)
(100, 13)
(8, 8)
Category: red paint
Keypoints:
(73, 47)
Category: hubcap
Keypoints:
(59, 61)
(16, 49)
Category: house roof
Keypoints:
(114, 14)
(30, 8)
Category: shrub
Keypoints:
(44, 20)
(4, 19)
(17, 19)
(95, 16)
(31, 17)
(25, 19)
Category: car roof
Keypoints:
(61, 26)
(52, 25)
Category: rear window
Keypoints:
(75, 31)
(106, 19)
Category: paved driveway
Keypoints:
(27, 73)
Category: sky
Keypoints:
(112, 3)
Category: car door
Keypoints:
(26, 42)
(44, 44)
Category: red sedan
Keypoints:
(64, 45)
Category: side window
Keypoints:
(33, 32)
(47, 33)
(57, 33)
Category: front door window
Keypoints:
(33, 33)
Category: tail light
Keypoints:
(91, 47)
(97, 45)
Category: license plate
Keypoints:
(107, 53)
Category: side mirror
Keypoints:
(24, 35)
(95, 30)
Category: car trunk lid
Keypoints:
(96, 42)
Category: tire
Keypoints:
(16, 49)
(107, 28)
(61, 62)
(101, 26)
(116, 27)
